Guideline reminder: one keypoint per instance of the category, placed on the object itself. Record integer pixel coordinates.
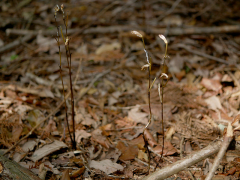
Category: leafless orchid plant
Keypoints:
(163, 77)
(66, 41)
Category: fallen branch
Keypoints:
(12, 170)
(117, 29)
(226, 141)
(184, 163)
(202, 54)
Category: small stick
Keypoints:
(226, 141)
(140, 161)
(184, 163)
(203, 54)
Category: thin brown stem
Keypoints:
(60, 69)
(162, 118)
(69, 59)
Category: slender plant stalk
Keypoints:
(69, 61)
(163, 76)
(148, 65)
(68, 54)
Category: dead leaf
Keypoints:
(214, 103)
(169, 149)
(106, 166)
(139, 141)
(47, 149)
(29, 145)
(65, 175)
(108, 47)
(142, 155)
(77, 173)
(81, 134)
(51, 127)
(211, 84)
(16, 132)
(105, 129)
(137, 116)
(113, 154)
(169, 133)
(99, 138)
(113, 98)
(128, 152)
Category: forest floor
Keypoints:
(111, 104)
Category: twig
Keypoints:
(138, 160)
(203, 54)
(184, 163)
(118, 29)
(226, 141)
(15, 43)
(191, 174)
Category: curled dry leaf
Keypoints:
(81, 134)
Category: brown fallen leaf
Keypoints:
(47, 149)
(16, 132)
(106, 166)
(137, 116)
(65, 175)
(139, 141)
(168, 150)
(128, 152)
(99, 138)
(81, 134)
(211, 84)
(214, 103)
(142, 155)
(105, 129)
(77, 173)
